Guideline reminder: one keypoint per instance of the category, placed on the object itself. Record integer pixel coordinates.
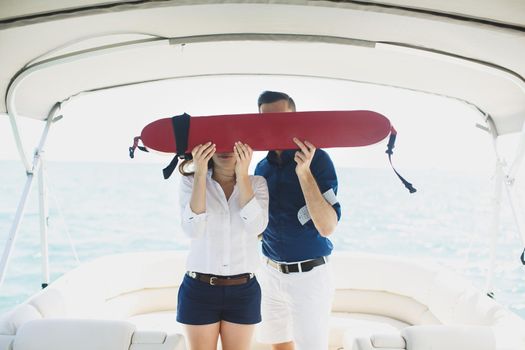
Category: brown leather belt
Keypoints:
(304, 266)
(215, 280)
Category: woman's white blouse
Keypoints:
(224, 238)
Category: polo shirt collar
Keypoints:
(287, 156)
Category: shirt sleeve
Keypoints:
(255, 213)
(326, 178)
(193, 224)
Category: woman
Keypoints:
(223, 211)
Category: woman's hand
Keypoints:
(201, 156)
(303, 157)
(243, 156)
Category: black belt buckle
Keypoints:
(308, 265)
(284, 268)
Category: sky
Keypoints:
(433, 132)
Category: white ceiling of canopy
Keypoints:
(53, 57)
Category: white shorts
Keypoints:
(296, 307)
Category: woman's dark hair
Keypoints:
(186, 162)
(274, 96)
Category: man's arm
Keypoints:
(322, 213)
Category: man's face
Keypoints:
(274, 107)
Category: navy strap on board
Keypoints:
(181, 130)
(523, 257)
(390, 151)
(135, 146)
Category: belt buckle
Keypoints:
(284, 268)
(212, 280)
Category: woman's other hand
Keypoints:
(243, 156)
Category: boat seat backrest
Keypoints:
(14, 319)
(114, 287)
(449, 298)
(399, 307)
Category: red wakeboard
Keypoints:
(268, 131)
(272, 131)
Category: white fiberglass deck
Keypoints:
(377, 298)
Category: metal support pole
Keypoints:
(494, 228)
(517, 211)
(25, 194)
(44, 221)
(18, 141)
(496, 210)
(508, 180)
(520, 155)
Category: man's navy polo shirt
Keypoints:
(285, 238)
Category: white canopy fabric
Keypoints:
(471, 50)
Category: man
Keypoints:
(296, 281)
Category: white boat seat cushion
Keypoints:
(13, 320)
(376, 342)
(345, 327)
(153, 340)
(68, 334)
(435, 337)
(389, 341)
(449, 337)
(6, 342)
(157, 321)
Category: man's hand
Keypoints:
(322, 213)
(303, 157)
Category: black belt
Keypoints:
(215, 280)
(297, 267)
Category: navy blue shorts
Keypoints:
(201, 303)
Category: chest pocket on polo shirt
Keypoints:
(304, 216)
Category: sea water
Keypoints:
(104, 208)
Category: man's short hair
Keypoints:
(274, 96)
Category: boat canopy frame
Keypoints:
(508, 75)
(502, 179)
